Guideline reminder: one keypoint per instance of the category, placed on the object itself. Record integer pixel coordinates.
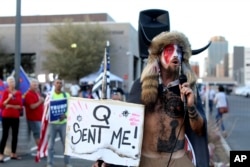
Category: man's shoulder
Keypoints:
(63, 94)
(67, 94)
(28, 94)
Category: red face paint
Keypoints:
(168, 53)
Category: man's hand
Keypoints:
(62, 117)
(188, 92)
(10, 96)
(41, 99)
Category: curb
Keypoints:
(225, 145)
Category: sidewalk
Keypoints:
(218, 147)
(28, 161)
(27, 150)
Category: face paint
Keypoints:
(170, 52)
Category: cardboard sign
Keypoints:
(109, 130)
(57, 108)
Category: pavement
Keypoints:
(26, 149)
(29, 161)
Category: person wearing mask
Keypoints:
(11, 105)
(173, 107)
(58, 126)
(33, 103)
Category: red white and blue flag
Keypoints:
(42, 150)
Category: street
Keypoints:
(237, 123)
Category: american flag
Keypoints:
(101, 87)
(42, 149)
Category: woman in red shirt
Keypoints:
(11, 104)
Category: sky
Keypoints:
(199, 20)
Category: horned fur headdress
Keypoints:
(150, 75)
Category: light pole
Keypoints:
(18, 42)
(73, 46)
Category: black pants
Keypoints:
(8, 123)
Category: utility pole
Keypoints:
(18, 42)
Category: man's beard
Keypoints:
(172, 72)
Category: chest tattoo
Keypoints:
(169, 144)
(172, 104)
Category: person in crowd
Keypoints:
(117, 94)
(11, 105)
(86, 92)
(74, 90)
(172, 109)
(58, 126)
(211, 95)
(220, 100)
(47, 88)
(33, 103)
(202, 93)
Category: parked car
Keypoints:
(246, 91)
(238, 90)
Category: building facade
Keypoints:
(217, 52)
(238, 64)
(124, 55)
(247, 66)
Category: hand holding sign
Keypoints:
(58, 108)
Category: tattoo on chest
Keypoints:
(172, 105)
(168, 145)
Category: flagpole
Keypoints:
(18, 42)
(101, 87)
(104, 81)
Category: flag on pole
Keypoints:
(101, 87)
(42, 149)
(24, 83)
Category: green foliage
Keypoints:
(77, 49)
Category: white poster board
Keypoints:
(109, 130)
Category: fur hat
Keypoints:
(150, 74)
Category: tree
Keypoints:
(77, 49)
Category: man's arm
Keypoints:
(195, 119)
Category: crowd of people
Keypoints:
(13, 102)
(173, 108)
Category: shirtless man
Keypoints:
(167, 119)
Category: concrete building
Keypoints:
(217, 52)
(196, 68)
(238, 64)
(124, 54)
(247, 66)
